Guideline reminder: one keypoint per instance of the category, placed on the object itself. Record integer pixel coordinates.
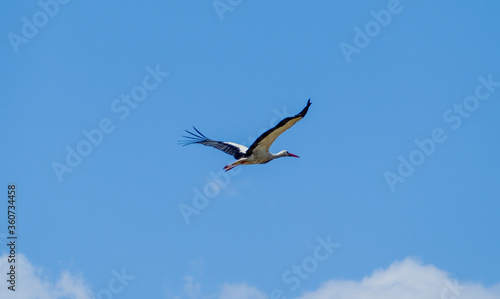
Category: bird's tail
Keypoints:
(193, 138)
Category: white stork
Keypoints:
(258, 153)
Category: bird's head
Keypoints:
(287, 154)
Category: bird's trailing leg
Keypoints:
(234, 164)
(228, 167)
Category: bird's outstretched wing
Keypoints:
(267, 138)
(233, 149)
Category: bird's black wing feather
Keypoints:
(237, 151)
(282, 126)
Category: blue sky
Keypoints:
(399, 150)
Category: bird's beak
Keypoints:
(292, 155)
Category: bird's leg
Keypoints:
(228, 167)
(234, 164)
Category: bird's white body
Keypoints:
(258, 152)
(258, 157)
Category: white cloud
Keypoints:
(31, 282)
(407, 279)
(192, 290)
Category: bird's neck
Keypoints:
(278, 155)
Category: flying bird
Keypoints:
(258, 152)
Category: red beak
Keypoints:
(292, 155)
